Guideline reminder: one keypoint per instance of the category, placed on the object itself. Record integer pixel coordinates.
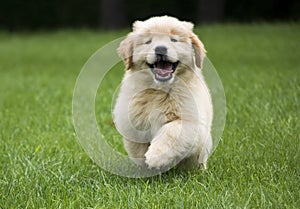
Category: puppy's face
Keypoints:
(164, 46)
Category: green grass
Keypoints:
(256, 164)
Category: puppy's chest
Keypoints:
(151, 107)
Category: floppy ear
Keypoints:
(125, 51)
(198, 49)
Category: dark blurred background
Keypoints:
(16, 15)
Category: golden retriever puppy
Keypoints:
(164, 110)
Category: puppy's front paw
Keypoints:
(157, 159)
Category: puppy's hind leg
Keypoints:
(204, 153)
(136, 151)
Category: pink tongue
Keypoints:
(163, 69)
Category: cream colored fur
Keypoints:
(163, 123)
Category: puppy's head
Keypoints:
(164, 46)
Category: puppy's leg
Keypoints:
(204, 153)
(174, 141)
(136, 151)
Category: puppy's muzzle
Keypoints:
(161, 50)
(162, 68)
(161, 53)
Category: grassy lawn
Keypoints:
(256, 164)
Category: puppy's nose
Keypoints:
(161, 50)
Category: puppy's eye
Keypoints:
(148, 42)
(174, 40)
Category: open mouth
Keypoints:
(163, 70)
